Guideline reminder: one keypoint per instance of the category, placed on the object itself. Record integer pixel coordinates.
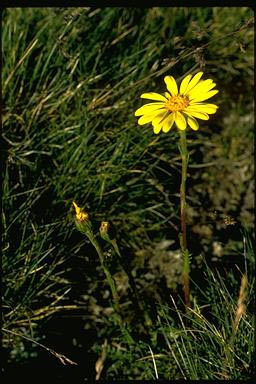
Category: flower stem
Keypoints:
(183, 239)
(84, 225)
(109, 277)
(112, 285)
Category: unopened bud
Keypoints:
(107, 231)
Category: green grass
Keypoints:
(200, 344)
(71, 81)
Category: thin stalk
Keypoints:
(64, 360)
(113, 288)
(110, 279)
(183, 239)
(84, 225)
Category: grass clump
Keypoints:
(214, 340)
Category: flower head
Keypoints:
(80, 215)
(82, 221)
(180, 106)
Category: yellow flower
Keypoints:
(179, 106)
(82, 222)
(80, 215)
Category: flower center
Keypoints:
(177, 103)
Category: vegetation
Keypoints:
(71, 81)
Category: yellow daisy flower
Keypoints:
(179, 106)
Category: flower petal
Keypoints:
(158, 120)
(207, 108)
(180, 120)
(205, 96)
(146, 119)
(153, 96)
(198, 115)
(171, 85)
(184, 84)
(148, 108)
(156, 129)
(202, 87)
(192, 123)
(193, 82)
(168, 123)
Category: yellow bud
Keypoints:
(83, 222)
(107, 231)
(80, 215)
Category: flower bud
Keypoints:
(107, 231)
(82, 221)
